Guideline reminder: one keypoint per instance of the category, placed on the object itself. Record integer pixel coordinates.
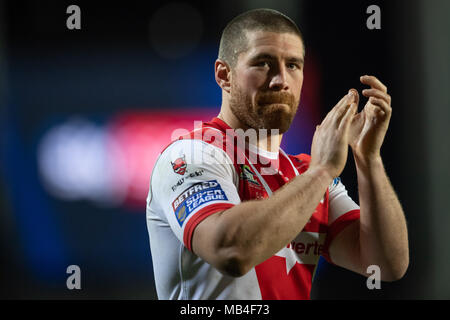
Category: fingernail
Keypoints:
(350, 93)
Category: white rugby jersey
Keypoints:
(204, 173)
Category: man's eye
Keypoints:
(262, 64)
(293, 66)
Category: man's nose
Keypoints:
(278, 80)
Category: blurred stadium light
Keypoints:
(110, 164)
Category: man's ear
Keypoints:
(223, 75)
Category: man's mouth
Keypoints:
(265, 104)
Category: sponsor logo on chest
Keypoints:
(306, 248)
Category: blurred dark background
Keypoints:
(84, 113)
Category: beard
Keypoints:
(271, 109)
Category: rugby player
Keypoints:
(234, 218)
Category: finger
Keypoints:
(342, 108)
(355, 92)
(347, 118)
(373, 82)
(382, 105)
(377, 94)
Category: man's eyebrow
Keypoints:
(263, 56)
(296, 60)
(268, 56)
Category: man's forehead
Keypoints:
(258, 41)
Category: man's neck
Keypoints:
(266, 142)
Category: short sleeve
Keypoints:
(342, 212)
(190, 181)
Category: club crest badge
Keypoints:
(248, 175)
(179, 165)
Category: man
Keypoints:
(223, 225)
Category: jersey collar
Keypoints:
(218, 124)
(223, 126)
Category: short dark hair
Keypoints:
(234, 38)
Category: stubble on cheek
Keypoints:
(243, 107)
